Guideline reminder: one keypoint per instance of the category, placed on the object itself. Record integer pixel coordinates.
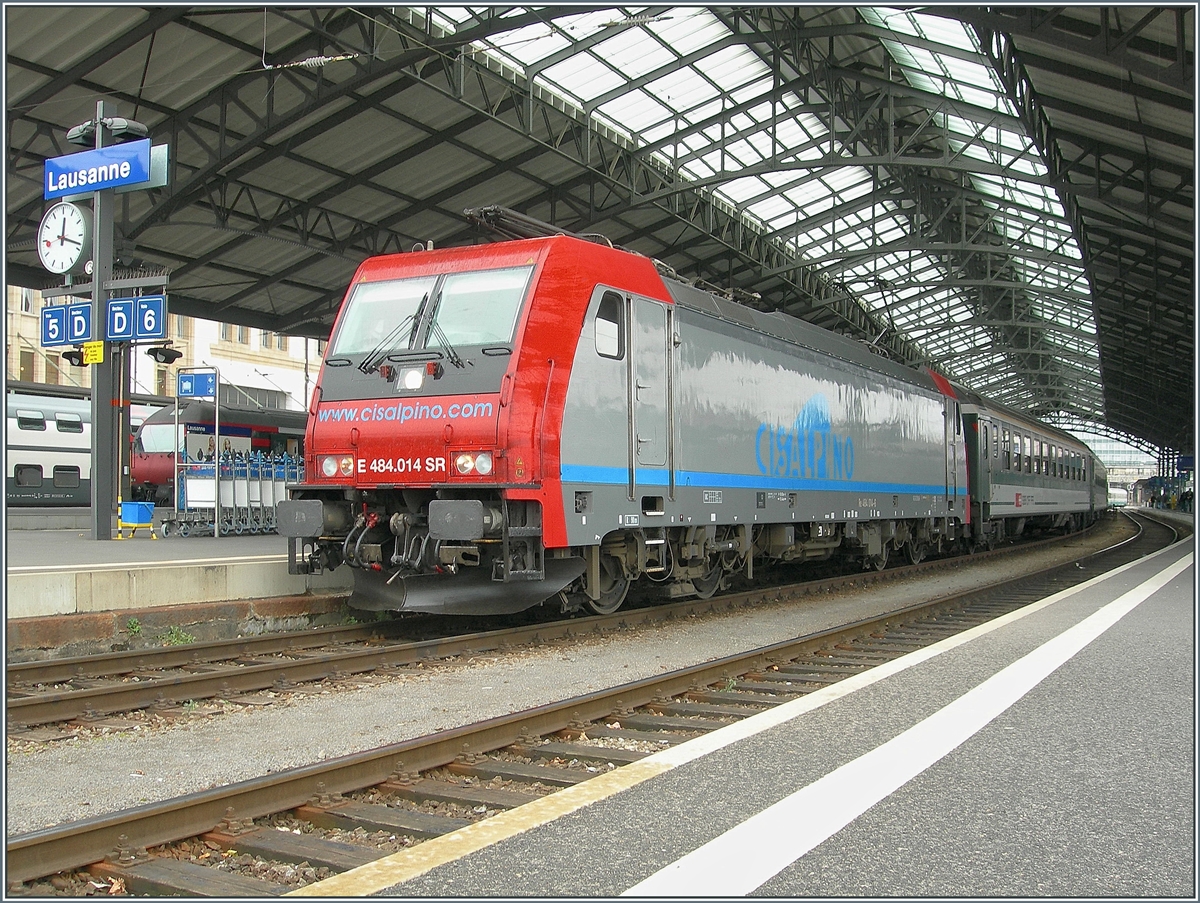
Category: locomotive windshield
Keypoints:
(459, 309)
(479, 308)
(157, 437)
(376, 309)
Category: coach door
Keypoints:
(649, 385)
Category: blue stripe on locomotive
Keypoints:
(619, 476)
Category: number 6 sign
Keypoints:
(151, 320)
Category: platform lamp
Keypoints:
(74, 357)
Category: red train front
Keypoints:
(432, 449)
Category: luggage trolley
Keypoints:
(198, 489)
(223, 491)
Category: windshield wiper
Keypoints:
(374, 358)
(445, 343)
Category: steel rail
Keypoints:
(30, 708)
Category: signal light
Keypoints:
(73, 357)
(164, 355)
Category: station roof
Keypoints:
(1004, 194)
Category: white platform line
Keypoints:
(128, 565)
(745, 857)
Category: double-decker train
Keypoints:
(499, 425)
(48, 443)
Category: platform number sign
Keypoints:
(66, 324)
(54, 326)
(151, 320)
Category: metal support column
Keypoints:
(105, 426)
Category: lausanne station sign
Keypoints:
(117, 166)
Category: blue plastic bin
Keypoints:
(137, 514)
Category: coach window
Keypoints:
(28, 476)
(30, 420)
(68, 423)
(1007, 443)
(66, 477)
(610, 327)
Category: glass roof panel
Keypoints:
(828, 213)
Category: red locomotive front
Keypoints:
(432, 445)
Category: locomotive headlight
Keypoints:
(474, 462)
(412, 379)
(331, 465)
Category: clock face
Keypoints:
(64, 238)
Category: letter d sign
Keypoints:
(120, 320)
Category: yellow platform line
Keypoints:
(408, 864)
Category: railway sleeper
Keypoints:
(350, 814)
(752, 700)
(548, 775)
(428, 790)
(284, 846)
(176, 877)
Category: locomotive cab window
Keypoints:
(381, 314)
(30, 420)
(610, 327)
(479, 308)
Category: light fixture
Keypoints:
(164, 355)
(74, 357)
(122, 130)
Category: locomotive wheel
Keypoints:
(613, 587)
(879, 562)
(915, 551)
(707, 585)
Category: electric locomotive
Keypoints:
(498, 425)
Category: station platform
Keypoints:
(1048, 753)
(64, 573)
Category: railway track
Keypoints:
(288, 829)
(92, 689)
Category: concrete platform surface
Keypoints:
(57, 572)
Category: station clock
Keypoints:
(64, 238)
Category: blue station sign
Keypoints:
(197, 384)
(107, 167)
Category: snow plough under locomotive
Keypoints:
(553, 418)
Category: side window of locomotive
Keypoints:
(68, 423)
(610, 327)
(31, 420)
(66, 477)
(28, 476)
